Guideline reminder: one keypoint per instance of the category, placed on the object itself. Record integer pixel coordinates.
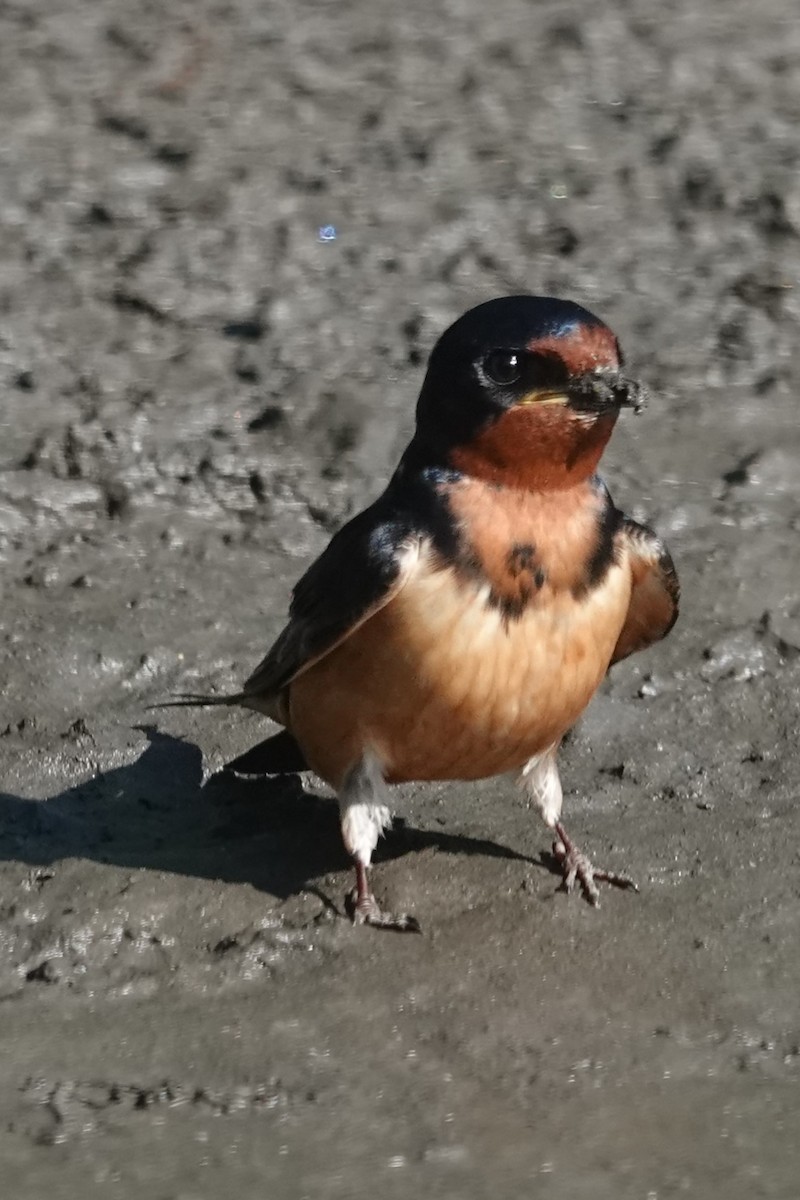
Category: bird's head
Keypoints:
(524, 391)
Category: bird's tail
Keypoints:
(196, 700)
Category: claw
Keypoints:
(577, 866)
(364, 909)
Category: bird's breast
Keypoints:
(443, 684)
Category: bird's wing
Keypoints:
(363, 567)
(653, 608)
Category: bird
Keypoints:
(457, 628)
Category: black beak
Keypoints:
(602, 391)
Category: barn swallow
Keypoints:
(459, 626)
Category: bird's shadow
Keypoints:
(159, 813)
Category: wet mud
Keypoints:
(197, 389)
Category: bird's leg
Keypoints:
(365, 910)
(540, 781)
(576, 865)
(365, 815)
(363, 903)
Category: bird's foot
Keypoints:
(576, 865)
(364, 909)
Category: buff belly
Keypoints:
(440, 686)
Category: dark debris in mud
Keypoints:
(57, 1111)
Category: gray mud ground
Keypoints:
(195, 392)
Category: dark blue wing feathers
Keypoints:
(350, 579)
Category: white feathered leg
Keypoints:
(364, 811)
(540, 782)
(365, 815)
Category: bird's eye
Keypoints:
(502, 366)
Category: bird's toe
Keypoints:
(577, 867)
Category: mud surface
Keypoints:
(196, 390)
